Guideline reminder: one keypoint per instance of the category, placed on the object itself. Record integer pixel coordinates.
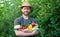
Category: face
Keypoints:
(25, 10)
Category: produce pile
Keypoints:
(32, 26)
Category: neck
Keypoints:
(25, 17)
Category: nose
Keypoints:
(26, 9)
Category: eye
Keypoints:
(28, 8)
(24, 8)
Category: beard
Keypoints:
(26, 14)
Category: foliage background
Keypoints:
(46, 12)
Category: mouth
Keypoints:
(25, 13)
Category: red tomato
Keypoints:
(24, 27)
(33, 24)
(21, 27)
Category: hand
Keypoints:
(27, 30)
(34, 32)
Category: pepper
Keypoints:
(30, 27)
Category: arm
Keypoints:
(19, 33)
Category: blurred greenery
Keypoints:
(46, 13)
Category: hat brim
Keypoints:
(25, 6)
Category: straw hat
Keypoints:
(25, 4)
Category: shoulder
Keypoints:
(18, 19)
(32, 18)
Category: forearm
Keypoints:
(30, 33)
(19, 33)
(27, 34)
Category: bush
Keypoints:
(46, 13)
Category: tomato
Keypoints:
(21, 27)
(33, 24)
(24, 27)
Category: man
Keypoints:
(24, 20)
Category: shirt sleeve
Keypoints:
(17, 24)
(33, 20)
(17, 21)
